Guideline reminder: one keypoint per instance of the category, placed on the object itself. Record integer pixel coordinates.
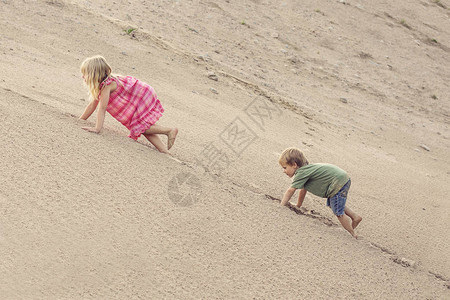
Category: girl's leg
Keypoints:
(347, 224)
(156, 129)
(355, 218)
(170, 132)
(156, 141)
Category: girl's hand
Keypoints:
(91, 129)
(81, 121)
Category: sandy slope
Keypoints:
(98, 216)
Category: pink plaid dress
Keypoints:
(134, 104)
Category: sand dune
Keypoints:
(357, 84)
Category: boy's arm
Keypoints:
(90, 108)
(301, 197)
(287, 196)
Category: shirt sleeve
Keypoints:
(299, 181)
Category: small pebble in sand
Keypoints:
(213, 76)
(424, 147)
(404, 262)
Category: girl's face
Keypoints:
(289, 170)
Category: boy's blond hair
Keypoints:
(95, 69)
(293, 155)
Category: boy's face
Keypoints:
(288, 169)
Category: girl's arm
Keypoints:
(301, 197)
(90, 108)
(287, 196)
(102, 105)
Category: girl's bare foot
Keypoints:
(171, 138)
(356, 221)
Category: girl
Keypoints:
(130, 101)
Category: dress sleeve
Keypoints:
(107, 81)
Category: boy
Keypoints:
(323, 180)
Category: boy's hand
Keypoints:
(301, 209)
(287, 196)
(288, 204)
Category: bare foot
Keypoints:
(356, 221)
(171, 138)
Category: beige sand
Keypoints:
(360, 84)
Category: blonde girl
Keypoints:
(130, 101)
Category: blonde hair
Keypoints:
(95, 70)
(293, 155)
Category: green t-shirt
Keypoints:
(323, 180)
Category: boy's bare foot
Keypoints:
(355, 235)
(345, 222)
(356, 222)
(171, 138)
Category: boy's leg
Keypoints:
(355, 218)
(345, 215)
(347, 224)
(156, 141)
